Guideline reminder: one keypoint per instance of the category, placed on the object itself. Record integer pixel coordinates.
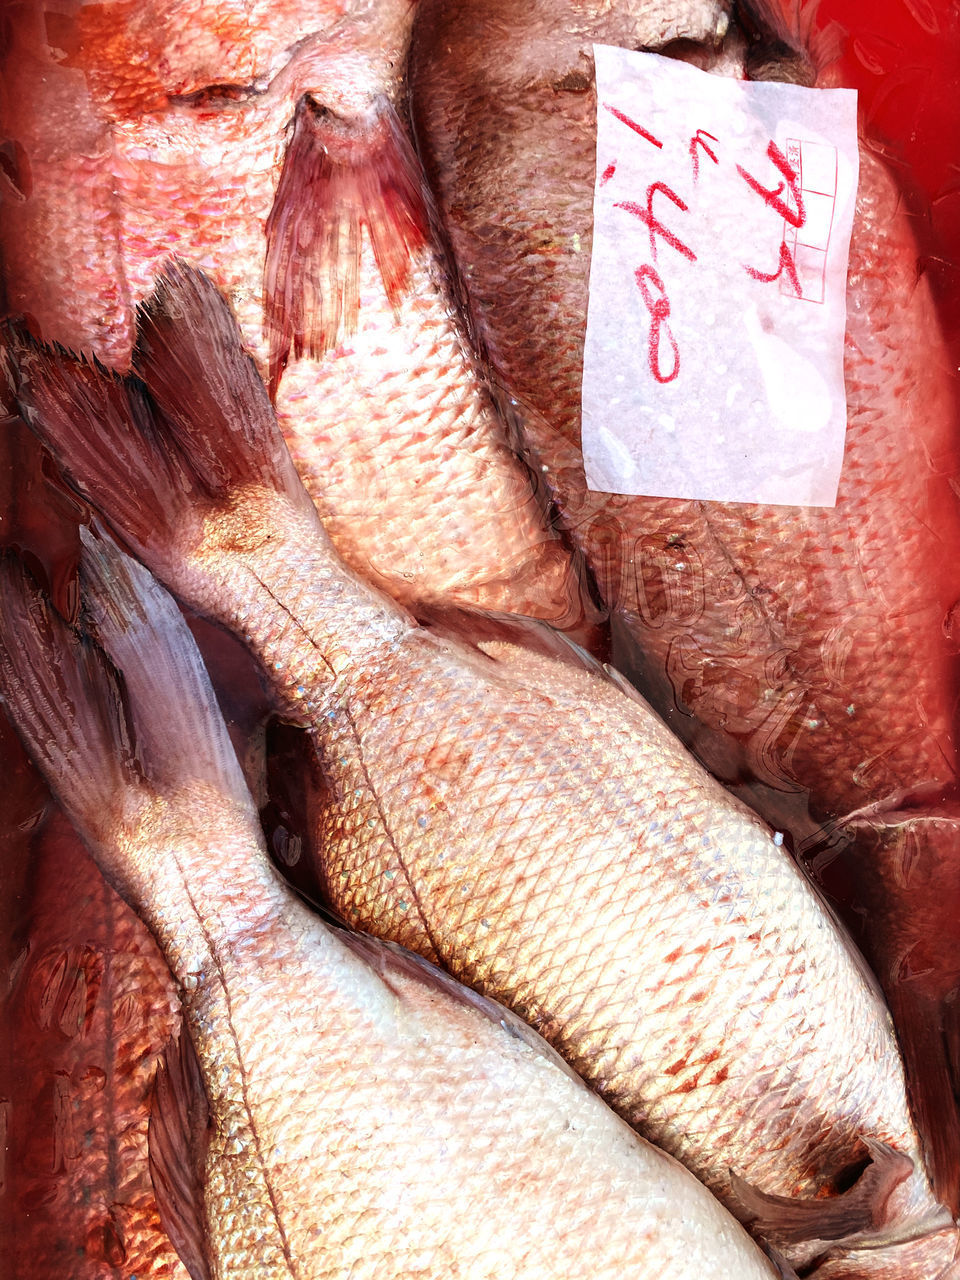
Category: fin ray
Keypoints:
(65, 700)
(334, 180)
(211, 399)
(99, 427)
(176, 1143)
(180, 731)
(859, 1211)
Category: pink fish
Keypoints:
(808, 655)
(265, 143)
(334, 1105)
(515, 814)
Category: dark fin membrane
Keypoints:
(66, 702)
(180, 732)
(928, 1028)
(857, 1212)
(212, 401)
(99, 427)
(177, 1139)
(336, 178)
(785, 42)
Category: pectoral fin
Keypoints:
(860, 1210)
(177, 1141)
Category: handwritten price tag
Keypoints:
(713, 366)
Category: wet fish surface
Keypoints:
(520, 818)
(266, 143)
(333, 1105)
(807, 655)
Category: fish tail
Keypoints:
(67, 703)
(159, 453)
(180, 731)
(213, 408)
(100, 427)
(116, 714)
(337, 179)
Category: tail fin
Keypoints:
(100, 428)
(107, 741)
(190, 354)
(333, 181)
(154, 465)
(67, 704)
(180, 732)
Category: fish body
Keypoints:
(264, 143)
(516, 816)
(87, 1000)
(340, 1108)
(90, 1007)
(814, 637)
(807, 655)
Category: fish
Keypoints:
(268, 145)
(88, 1009)
(511, 810)
(332, 1105)
(87, 1003)
(807, 655)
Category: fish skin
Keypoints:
(367, 1117)
(478, 799)
(394, 432)
(87, 1002)
(807, 656)
(89, 1009)
(814, 635)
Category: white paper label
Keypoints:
(713, 366)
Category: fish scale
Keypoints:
(363, 1114)
(742, 635)
(806, 655)
(392, 427)
(606, 868)
(602, 873)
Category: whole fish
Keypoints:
(335, 1107)
(264, 143)
(519, 818)
(808, 655)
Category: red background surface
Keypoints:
(903, 56)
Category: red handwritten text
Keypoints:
(698, 141)
(653, 223)
(659, 308)
(796, 217)
(787, 264)
(632, 124)
(784, 199)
